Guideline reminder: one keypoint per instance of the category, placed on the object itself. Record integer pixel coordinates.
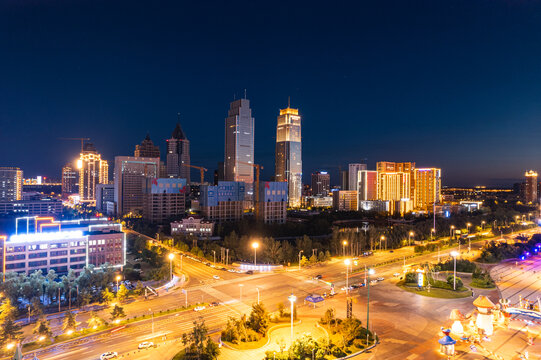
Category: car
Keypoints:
(199, 308)
(373, 282)
(214, 303)
(396, 274)
(391, 251)
(344, 288)
(216, 277)
(380, 279)
(231, 270)
(224, 269)
(355, 286)
(146, 345)
(249, 272)
(109, 355)
(318, 277)
(137, 259)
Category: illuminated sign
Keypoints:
(62, 235)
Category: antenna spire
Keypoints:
(244, 94)
(288, 101)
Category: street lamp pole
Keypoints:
(370, 272)
(451, 231)
(255, 245)
(292, 298)
(117, 280)
(214, 252)
(410, 234)
(181, 256)
(300, 252)
(454, 254)
(344, 243)
(171, 257)
(347, 262)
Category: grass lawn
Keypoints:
(248, 345)
(474, 284)
(179, 355)
(437, 292)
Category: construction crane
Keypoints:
(81, 139)
(201, 170)
(257, 169)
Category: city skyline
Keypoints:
(459, 71)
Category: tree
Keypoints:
(122, 293)
(7, 311)
(42, 328)
(259, 319)
(10, 331)
(198, 343)
(95, 321)
(70, 323)
(117, 312)
(329, 317)
(139, 288)
(450, 281)
(313, 259)
(107, 296)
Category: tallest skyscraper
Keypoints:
(239, 145)
(178, 154)
(288, 165)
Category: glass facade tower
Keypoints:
(288, 166)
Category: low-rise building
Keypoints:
(345, 200)
(223, 202)
(272, 207)
(167, 199)
(61, 246)
(43, 207)
(193, 225)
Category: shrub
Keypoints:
(450, 281)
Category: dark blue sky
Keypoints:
(453, 84)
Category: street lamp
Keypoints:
(451, 231)
(118, 277)
(433, 233)
(483, 224)
(381, 240)
(409, 237)
(255, 245)
(344, 243)
(454, 254)
(347, 262)
(468, 226)
(171, 257)
(370, 272)
(292, 298)
(300, 252)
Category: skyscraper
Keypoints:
(133, 178)
(11, 184)
(92, 171)
(239, 145)
(321, 183)
(147, 149)
(353, 182)
(69, 180)
(427, 187)
(530, 193)
(289, 153)
(368, 185)
(178, 154)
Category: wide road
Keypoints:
(421, 316)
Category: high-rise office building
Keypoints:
(105, 195)
(11, 184)
(133, 178)
(178, 154)
(239, 145)
(92, 171)
(427, 187)
(288, 165)
(147, 149)
(345, 200)
(321, 183)
(353, 181)
(69, 180)
(406, 167)
(368, 185)
(530, 193)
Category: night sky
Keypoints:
(451, 84)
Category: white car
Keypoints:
(373, 282)
(199, 308)
(380, 279)
(109, 355)
(146, 345)
(397, 274)
(344, 288)
(216, 277)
